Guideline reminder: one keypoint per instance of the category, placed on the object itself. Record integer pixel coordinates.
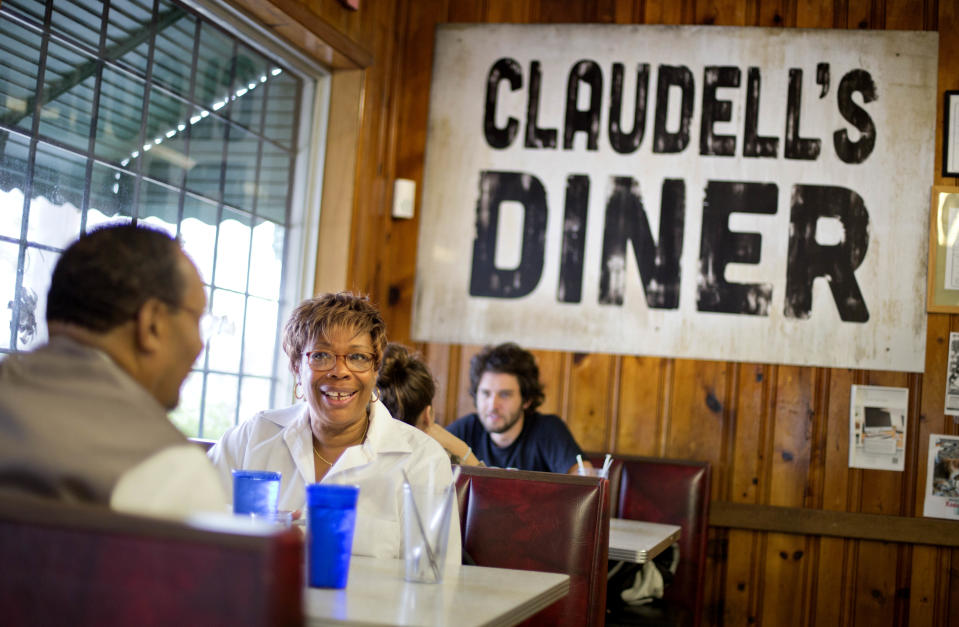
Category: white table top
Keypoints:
(638, 541)
(376, 594)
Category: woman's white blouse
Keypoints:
(281, 440)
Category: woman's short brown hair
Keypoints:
(317, 317)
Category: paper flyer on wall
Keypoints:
(952, 376)
(877, 427)
(942, 477)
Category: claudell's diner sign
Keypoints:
(741, 194)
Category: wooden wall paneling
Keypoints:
(818, 443)
(835, 490)
(773, 13)
(509, 11)
(437, 359)
(926, 592)
(875, 591)
(740, 590)
(554, 374)
(669, 11)
(784, 592)
(612, 410)
(626, 11)
(818, 14)
(903, 579)
(466, 11)
(831, 587)
(697, 411)
(590, 380)
(605, 11)
(951, 595)
(809, 521)
(906, 14)
(464, 402)
(413, 70)
(643, 386)
(370, 205)
(882, 489)
(922, 585)
(562, 11)
(788, 447)
(909, 477)
(789, 463)
(931, 418)
(392, 74)
(864, 14)
(721, 12)
(746, 466)
(741, 482)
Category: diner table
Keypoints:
(638, 541)
(377, 594)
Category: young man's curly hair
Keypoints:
(509, 358)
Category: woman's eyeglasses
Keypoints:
(321, 361)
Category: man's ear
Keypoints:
(151, 322)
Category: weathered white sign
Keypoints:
(741, 194)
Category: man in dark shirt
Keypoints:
(507, 431)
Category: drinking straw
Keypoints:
(447, 501)
(419, 523)
(579, 460)
(607, 463)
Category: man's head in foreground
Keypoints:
(131, 292)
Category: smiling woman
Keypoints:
(340, 433)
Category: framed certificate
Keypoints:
(950, 134)
(942, 295)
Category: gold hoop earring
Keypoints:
(374, 396)
(298, 394)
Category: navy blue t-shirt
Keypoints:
(545, 444)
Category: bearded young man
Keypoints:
(506, 431)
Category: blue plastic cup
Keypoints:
(255, 491)
(330, 519)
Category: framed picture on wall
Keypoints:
(942, 295)
(950, 134)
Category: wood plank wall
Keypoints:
(776, 435)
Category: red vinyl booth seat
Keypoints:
(545, 522)
(67, 564)
(672, 491)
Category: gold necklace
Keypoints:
(323, 459)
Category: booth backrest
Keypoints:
(66, 564)
(541, 521)
(676, 492)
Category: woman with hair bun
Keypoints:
(406, 387)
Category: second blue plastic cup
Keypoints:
(331, 518)
(255, 491)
